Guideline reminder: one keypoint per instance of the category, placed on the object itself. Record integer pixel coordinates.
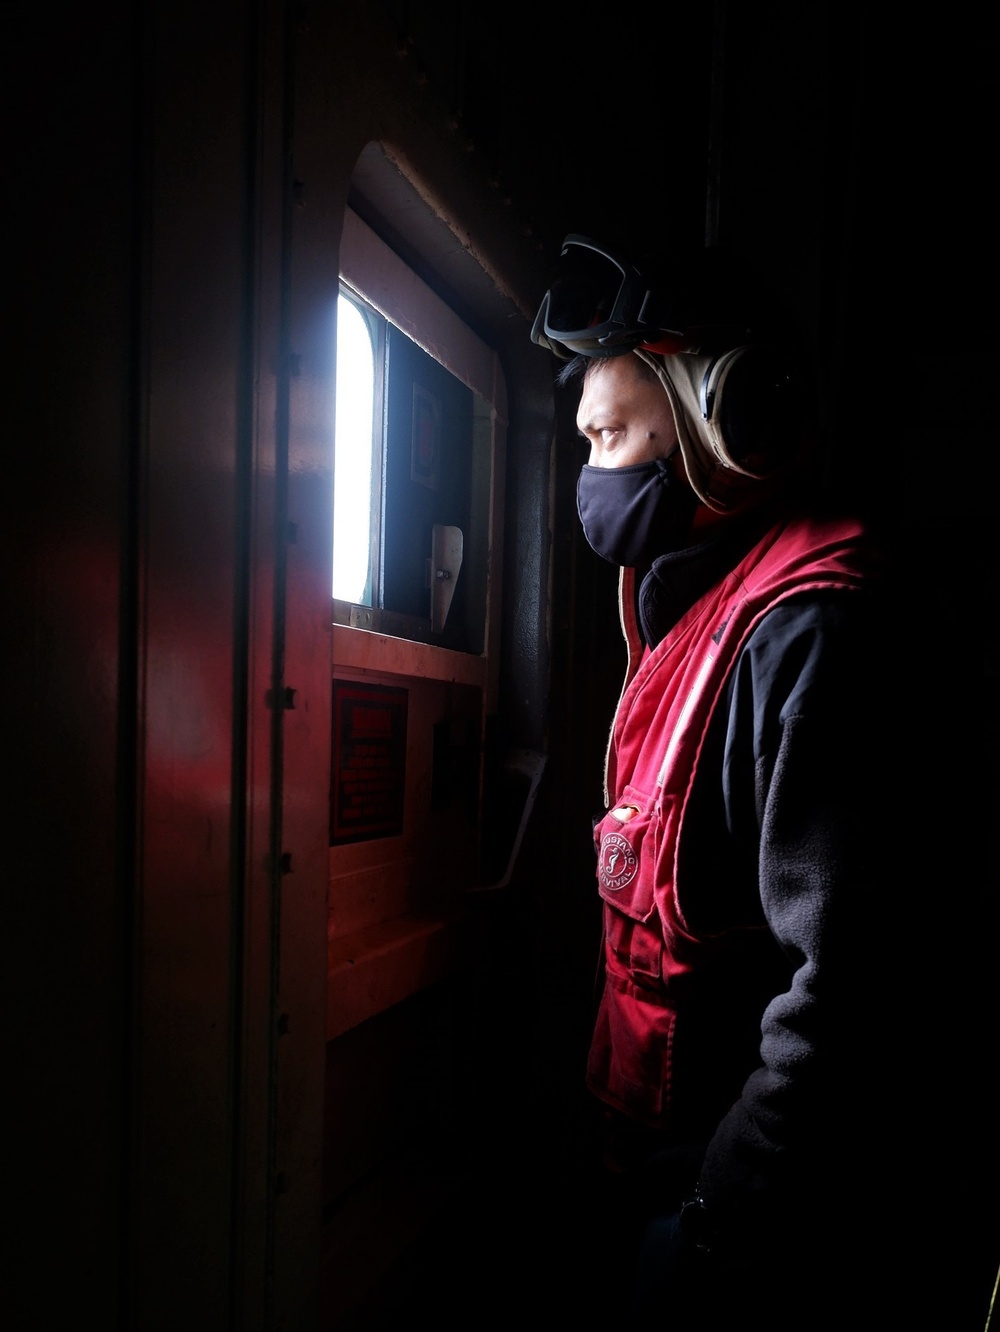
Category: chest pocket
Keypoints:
(628, 841)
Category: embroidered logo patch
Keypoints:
(617, 863)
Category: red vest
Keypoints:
(650, 953)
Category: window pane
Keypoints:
(353, 457)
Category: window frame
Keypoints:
(375, 275)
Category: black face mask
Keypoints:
(631, 515)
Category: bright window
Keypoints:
(355, 513)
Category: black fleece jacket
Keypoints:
(793, 825)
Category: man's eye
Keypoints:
(608, 433)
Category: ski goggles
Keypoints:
(600, 304)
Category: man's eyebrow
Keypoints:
(602, 414)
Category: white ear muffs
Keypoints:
(752, 404)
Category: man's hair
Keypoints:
(575, 371)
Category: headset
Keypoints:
(602, 304)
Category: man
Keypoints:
(756, 1055)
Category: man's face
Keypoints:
(624, 414)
